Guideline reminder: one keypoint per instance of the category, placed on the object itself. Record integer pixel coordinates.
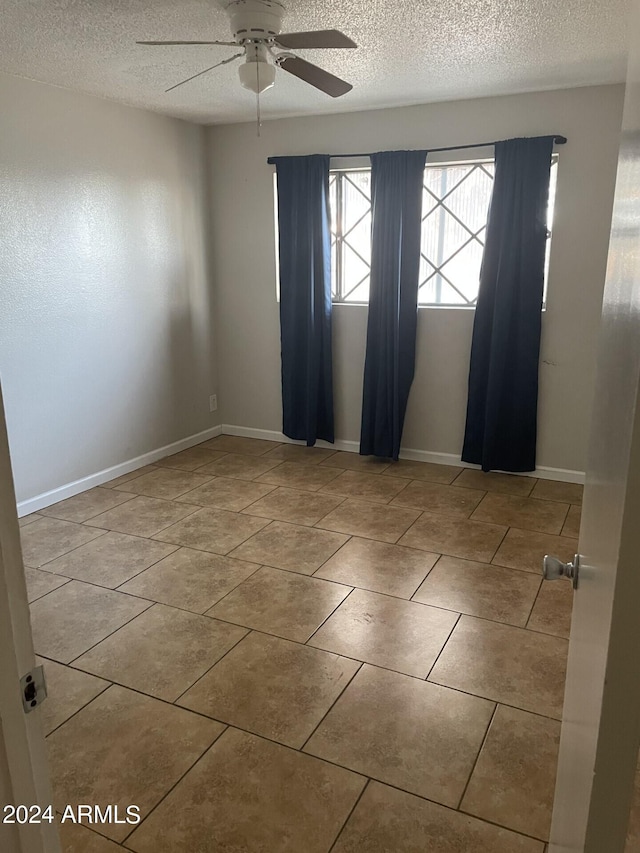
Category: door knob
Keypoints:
(553, 568)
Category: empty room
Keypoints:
(320, 453)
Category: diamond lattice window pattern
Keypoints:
(455, 205)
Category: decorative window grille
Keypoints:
(455, 204)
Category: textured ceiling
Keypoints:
(410, 51)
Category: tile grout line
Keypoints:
(45, 594)
(315, 631)
(477, 758)
(444, 645)
(86, 704)
(532, 608)
(351, 811)
(70, 551)
(45, 514)
(330, 708)
(117, 588)
(208, 670)
(486, 820)
(175, 784)
(156, 532)
(110, 634)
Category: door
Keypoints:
(24, 775)
(601, 717)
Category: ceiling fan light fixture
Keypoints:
(257, 76)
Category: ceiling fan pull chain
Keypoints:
(257, 101)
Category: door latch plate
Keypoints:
(34, 689)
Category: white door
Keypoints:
(601, 718)
(24, 775)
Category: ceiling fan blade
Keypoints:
(162, 43)
(315, 38)
(200, 73)
(315, 76)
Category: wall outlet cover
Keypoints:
(213, 402)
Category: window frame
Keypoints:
(477, 157)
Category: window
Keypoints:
(455, 203)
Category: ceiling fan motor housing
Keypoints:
(255, 19)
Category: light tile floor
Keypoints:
(284, 649)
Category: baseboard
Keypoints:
(564, 475)
(70, 489)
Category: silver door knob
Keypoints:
(553, 568)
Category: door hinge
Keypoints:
(34, 689)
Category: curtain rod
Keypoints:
(557, 138)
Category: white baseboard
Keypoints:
(70, 489)
(564, 475)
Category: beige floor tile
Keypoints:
(367, 487)
(479, 589)
(142, 516)
(492, 481)
(633, 830)
(470, 540)
(272, 687)
(191, 580)
(48, 538)
(295, 506)
(506, 664)
(390, 569)
(514, 778)
(525, 550)
(551, 613)
(444, 500)
(444, 474)
(76, 838)
(286, 604)
(572, 524)
(118, 481)
(388, 632)
(40, 583)
(553, 490)
(310, 478)
(162, 652)
(290, 546)
(299, 453)
(524, 513)
(191, 459)
(238, 444)
(389, 820)
(110, 560)
(28, 519)
(251, 795)
(122, 749)
(384, 523)
(354, 462)
(431, 753)
(212, 530)
(67, 691)
(227, 493)
(166, 483)
(71, 619)
(238, 467)
(87, 504)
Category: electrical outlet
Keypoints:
(213, 402)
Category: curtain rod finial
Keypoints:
(560, 140)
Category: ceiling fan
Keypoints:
(255, 25)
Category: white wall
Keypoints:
(106, 345)
(244, 267)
